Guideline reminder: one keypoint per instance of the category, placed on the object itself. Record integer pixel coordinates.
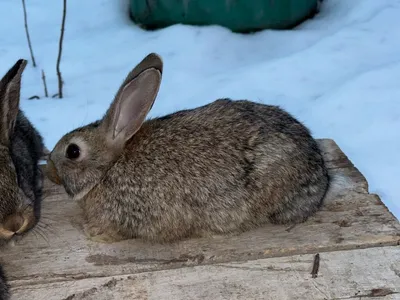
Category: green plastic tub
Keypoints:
(237, 15)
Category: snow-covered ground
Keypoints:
(338, 73)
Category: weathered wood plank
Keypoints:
(350, 218)
(354, 274)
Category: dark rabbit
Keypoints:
(21, 147)
(221, 168)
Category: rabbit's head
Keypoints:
(16, 209)
(82, 157)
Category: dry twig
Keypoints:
(27, 33)
(46, 94)
(60, 80)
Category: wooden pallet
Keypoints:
(357, 239)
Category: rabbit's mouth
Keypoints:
(51, 172)
(17, 223)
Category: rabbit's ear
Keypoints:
(133, 101)
(10, 86)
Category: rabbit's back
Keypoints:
(26, 150)
(222, 167)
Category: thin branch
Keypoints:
(27, 34)
(60, 80)
(46, 94)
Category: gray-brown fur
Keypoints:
(26, 150)
(221, 168)
(21, 147)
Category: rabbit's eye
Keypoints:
(73, 151)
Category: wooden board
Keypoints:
(351, 218)
(355, 274)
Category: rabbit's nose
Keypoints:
(14, 223)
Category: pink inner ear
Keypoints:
(135, 101)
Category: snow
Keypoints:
(338, 73)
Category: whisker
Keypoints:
(47, 228)
(35, 234)
(41, 230)
(42, 224)
(42, 234)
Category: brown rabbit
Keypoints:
(221, 168)
(21, 147)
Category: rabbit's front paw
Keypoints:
(98, 235)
